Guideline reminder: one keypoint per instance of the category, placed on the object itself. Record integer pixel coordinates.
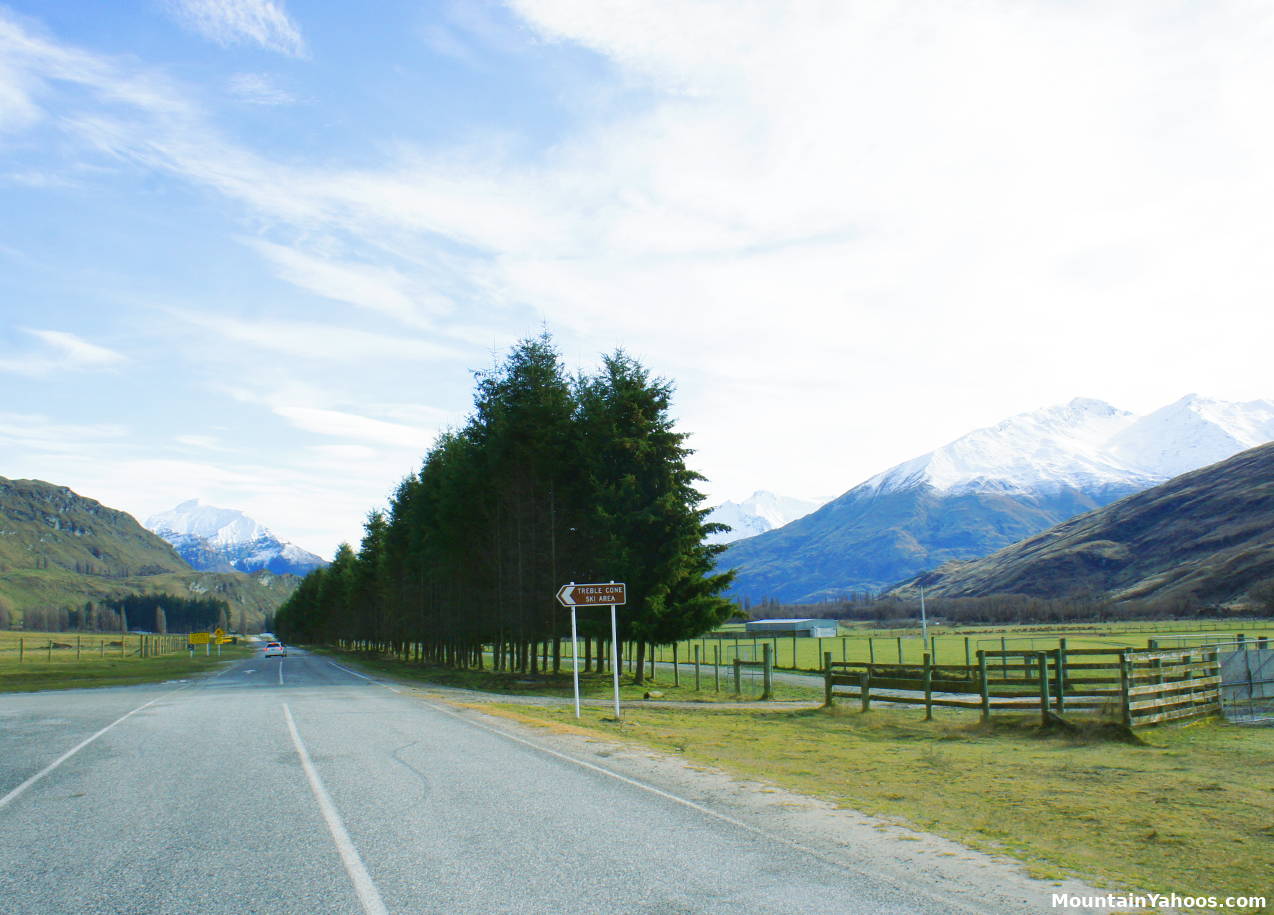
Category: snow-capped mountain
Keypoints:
(1088, 445)
(225, 539)
(987, 489)
(760, 512)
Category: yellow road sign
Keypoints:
(219, 633)
(199, 638)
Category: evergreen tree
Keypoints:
(645, 524)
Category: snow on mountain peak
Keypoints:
(220, 539)
(219, 526)
(1087, 443)
(760, 512)
(1194, 432)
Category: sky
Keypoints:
(253, 251)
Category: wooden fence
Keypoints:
(1140, 687)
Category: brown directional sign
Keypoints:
(574, 595)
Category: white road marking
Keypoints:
(365, 677)
(16, 792)
(368, 895)
(280, 671)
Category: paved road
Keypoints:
(298, 786)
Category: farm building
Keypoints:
(812, 629)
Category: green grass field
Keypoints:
(66, 660)
(1190, 810)
(952, 645)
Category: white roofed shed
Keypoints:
(803, 628)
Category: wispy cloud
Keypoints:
(60, 352)
(231, 22)
(259, 89)
(338, 424)
(326, 342)
(40, 434)
(376, 288)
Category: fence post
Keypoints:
(983, 685)
(795, 665)
(1125, 675)
(738, 682)
(827, 679)
(21, 649)
(696, 668)
(1004, 659)
(928, 688)
(676, 668)
(968, 656)
(767, 672)
(77, 648)
(899, 649)
(50, 650)
(864, 688)
(1042, 658)
(1060, 702)
(844, 650)
(716, 667)
(871, 649)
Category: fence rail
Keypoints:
(72, 647)
(1142, 687)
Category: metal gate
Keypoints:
(1247, 684)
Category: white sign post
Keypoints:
(612, 593)
(575, 659)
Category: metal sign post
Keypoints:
(575, 659)
(614, 664)
(593, 595)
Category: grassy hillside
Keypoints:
(1206, 535)
(49, 527)
(59, 549)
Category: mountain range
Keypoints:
(215, 539)
(1206, 536)
(60, 549)
(760, 512)
(986, 490)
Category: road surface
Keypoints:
(298, 786)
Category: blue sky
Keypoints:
(251, 251)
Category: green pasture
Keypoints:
(958, 645)
(67, 660)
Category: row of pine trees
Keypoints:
(553, 479)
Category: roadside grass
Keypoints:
(91, 670)
(592, 685)
(1187, 809)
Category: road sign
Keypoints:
(199, 638)
(219, 633)
(574, 595)
(612, 594)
